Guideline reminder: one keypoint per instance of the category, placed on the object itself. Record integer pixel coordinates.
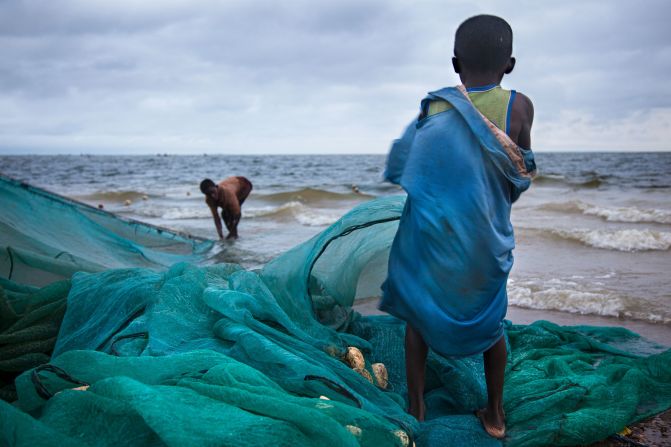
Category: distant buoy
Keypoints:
(127, 202)
(188, 193)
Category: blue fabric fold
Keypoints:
(450, 259)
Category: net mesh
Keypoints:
(45, 237)
(194, 355)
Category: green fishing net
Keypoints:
(218, 355)
(45, 237)
(30, 319)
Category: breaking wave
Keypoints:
(286, 209)
(570, 296)
(620, 240)
(114, 196)
(564, 296)
(173, 213)
(312, 195)
(289, 211)
(612, 214)
(295, 210)
(589, 181)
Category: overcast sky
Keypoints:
(193, 76)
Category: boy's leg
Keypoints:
(415, 368)
(495, 366)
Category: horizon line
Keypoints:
(265, 154)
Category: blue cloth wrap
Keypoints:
(450, 259)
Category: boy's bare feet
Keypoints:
(493, 422)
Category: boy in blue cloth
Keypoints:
(463, 163)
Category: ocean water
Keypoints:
(593, 233)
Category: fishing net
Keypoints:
(30, 319)
(195, 355)
(45, 237)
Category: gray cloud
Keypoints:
(299, 76)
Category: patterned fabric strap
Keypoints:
(512, 149)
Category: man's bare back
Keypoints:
(229, 195)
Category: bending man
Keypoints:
(229, 195)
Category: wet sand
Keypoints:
(655, 431)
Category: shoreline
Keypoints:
(656, 332)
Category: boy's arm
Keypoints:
(521, 119)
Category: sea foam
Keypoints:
(621, 240)
(585, 298)
(613, 214)
(172, 213)
(303, 214)
(562, 295)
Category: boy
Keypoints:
(462, 165)
(229, 194)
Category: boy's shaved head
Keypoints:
(484, 44)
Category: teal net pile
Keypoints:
(45, 237)
(30, 319)
(218, 355)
